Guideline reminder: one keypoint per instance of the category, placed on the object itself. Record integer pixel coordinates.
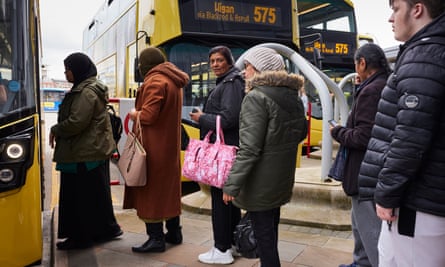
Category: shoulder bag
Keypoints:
(132, 163)
(209, 163)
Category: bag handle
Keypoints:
(219, 132)
(139, 128)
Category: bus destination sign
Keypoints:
(237, 12)
(333, 49)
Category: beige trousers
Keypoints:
(426, 248)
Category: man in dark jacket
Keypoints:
(403, 168)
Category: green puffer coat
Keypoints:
(272, 124)
(83, 130)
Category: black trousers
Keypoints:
(85, 205)
(156, 230)
(265, 227)
(224, 219)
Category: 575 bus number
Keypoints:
(341, 48)
(262, 14)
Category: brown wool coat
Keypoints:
(159, 101)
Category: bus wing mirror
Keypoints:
(137, 75)
(318, 58)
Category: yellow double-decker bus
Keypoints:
(328, 39)
(20, 155)
(186, 30)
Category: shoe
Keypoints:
(215, 256)
(151, 245)
(103, 239)
(175, 237)
(70, 243)
(348, 265)
(235, 253)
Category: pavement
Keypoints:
(300, 244)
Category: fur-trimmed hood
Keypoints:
(275, 78)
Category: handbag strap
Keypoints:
(219, 132)
(139, 128)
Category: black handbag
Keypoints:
(244, 238)
(338, 167)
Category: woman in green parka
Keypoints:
(84, 142)
(272, 124)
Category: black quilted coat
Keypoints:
(405, 161)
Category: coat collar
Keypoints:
(276, 79)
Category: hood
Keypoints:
(168, 69)
(81, 66)
(97, 86)
(276, 79)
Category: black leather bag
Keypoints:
(244, 238)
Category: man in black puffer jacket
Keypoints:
(404, 166)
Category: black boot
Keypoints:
(156, 242)
(174, 233)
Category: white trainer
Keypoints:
(216, 256)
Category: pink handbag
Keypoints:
(209, 163)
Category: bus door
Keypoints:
(20, 160)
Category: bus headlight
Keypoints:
(6, 175)
(14, 151)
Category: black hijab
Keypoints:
(81, 66)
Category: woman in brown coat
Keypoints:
(158, 106)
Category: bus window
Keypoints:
(12, 75)
(193, 59)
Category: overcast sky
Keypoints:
(63, 22)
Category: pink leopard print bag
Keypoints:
(209, 163)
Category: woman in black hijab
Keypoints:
(83, 145)
(81, 68)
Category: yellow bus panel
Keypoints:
(20, 218)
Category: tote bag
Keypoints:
(209, 163)
(244, 238)
(132, 163)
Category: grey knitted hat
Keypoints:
(264, 58)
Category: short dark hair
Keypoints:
(225, 51)
(435, 7)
